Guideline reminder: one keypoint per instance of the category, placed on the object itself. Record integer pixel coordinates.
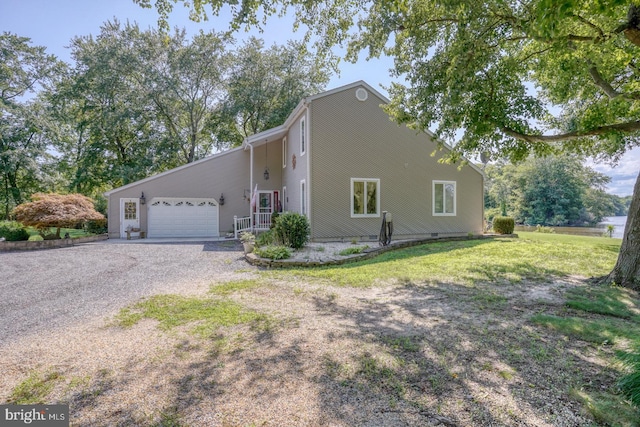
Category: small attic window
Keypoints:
(361, 94)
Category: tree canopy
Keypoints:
(56, 210)
(553, 191)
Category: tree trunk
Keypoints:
(627, 270)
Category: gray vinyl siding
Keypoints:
(225, 173)
(291, 177)
(356, 139)
(269, 155)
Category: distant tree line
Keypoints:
(134, 103)
(552, 191)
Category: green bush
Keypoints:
(96, 226)
(267, 238)
(274, 218)
(273, 252)
(13, 231)
(292, 229)
(503, 225)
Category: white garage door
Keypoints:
(182, 217)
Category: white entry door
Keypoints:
(129, 215)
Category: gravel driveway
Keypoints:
(43, 290)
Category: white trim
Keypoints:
(284, 152)
(303, 136)
(444, 207)
(304, 207)
(364, 208)
(283, 199)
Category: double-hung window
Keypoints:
(365, 197)
(444, 198)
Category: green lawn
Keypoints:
(73, 233)
(532, 257)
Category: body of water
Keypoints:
(618, 223)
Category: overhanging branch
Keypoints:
(633, 126)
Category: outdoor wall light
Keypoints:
(266, 174)
(143, 200)
(221, 200)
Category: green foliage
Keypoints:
(34, 389)
(13, 231)
(630, 383)
(274, 217)
(174, 310)
(544, 229)
(25, 121)
(95, 226)
(273, 252)
(267, 238)
(293, 229)
(503, 224)
(533, 257)
(247, 237)
(551, 191)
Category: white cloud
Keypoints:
(623, 175)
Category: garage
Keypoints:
(183, 217)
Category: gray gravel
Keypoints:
(40, 290)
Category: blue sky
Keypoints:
(53, 23)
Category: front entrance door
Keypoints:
(264, 209)
(129, 215)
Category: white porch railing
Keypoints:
(240, 225)
(261, 221)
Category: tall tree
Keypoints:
(548, 191)
(265, 85)
(493, 70)
(185, 81)
(23, 121)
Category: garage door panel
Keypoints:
(183, 217)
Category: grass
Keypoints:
(605, 315)
(532, 257)
(206, 314)
(34, 389)
(73, 233)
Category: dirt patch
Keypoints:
(404, 354)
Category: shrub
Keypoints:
(267, 238)
(274, 218)
(13, 231)
(56, 210)
(503, 224)
(292, 229)
(247, 237)
(273, 252)
(544, 229)
(96, 226)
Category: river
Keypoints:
(618, 223)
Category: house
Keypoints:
(337, 158)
